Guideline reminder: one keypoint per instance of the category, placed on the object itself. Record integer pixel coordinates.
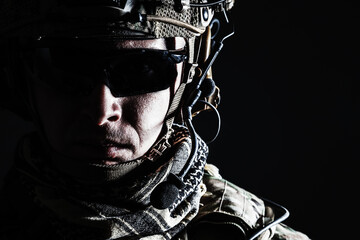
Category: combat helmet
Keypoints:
(204, 25)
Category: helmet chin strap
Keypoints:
(165, 194)
(187, 74)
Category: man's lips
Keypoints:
(105, 149)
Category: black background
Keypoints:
(290, 111)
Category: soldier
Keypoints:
(112, 87)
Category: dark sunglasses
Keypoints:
(130, 72)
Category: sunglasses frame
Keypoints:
(176, 56)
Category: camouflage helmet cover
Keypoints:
(114, 18)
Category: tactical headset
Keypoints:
(201, 90)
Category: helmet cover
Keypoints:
(113, 18)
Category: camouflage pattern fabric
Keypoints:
(226, 211)
(230, 212)
(103, 18)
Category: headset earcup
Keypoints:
(207, 87)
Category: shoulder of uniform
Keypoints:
(283, 232)
(224, 203)
(223, 197)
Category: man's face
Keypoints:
(99, 127)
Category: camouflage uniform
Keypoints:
(227, 208)
(220, 208)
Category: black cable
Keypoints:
(218, 117)
(194, 146)
(206, 4)
(194, 97)
(284, 215)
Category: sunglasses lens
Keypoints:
(140, 73)
(126, 73)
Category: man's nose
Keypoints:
(103, 107)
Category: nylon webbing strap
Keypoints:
(170, 116)
(189, 72)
